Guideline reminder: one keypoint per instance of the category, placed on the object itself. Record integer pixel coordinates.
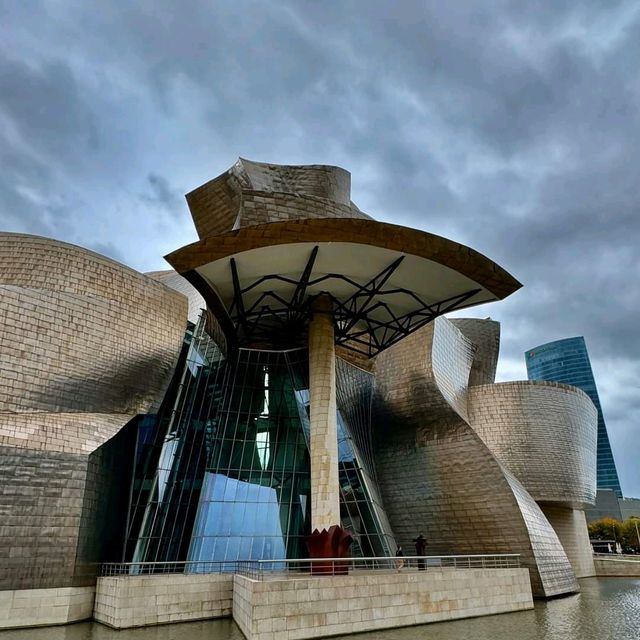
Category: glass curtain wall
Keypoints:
(227, 476)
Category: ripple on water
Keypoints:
(605, 609)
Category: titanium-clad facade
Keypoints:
(568, 361)
(543, 432)
(125, 437)
(87, 344)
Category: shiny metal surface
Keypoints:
(438, 477)
(545, 433)
(606, 609)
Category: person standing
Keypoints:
(399, 558)
(421, 549)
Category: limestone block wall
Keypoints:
(323, 445)
(44, 607)
(545, 433)
(337, 605)
(617, 567)
(571, 527)
(123, 602)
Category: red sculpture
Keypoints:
(331, 543)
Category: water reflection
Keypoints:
(606, 609)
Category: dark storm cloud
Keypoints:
(511, 127)
(163, 194)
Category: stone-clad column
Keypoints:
(325, 496)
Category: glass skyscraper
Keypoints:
(568, 361)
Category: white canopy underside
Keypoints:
(430, 281)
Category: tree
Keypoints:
(630, 534)
(605, 529)
(626, 533)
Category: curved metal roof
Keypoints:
(385, 280)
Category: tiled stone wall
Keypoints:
(544, 432)
(324, 606)
(138, 601)
(44, 607)
(571, 527)
(485, 335)
(617, 567)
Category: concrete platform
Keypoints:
(315, 607)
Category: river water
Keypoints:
(606, 609)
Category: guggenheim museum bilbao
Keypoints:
(294, 371)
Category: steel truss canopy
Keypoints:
(385, 281)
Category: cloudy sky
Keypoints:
(511, 127)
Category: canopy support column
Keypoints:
(325, 495)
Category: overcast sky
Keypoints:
(511, 127)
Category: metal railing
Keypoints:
(157, 568)
(617, 556)
(265, 569)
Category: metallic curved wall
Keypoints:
(256, 193)
(425, 375)
(438, 477)
(571, 527)
(544, 433)
(82, 333)
(485, 335)
(87, 344)
(175, 281)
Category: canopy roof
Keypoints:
(385, 280)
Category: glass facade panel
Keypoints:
(227, 475)
(568, 361)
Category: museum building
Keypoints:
(293, 372)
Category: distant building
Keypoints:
(607, 506)
(568, 361)
(629, 508)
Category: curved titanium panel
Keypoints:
(425, 375)
(438, 477)
(87, 344)
(178, 283)
(440, 480)
(82, 333)
(257, 193)
(485, 335)
(544, 433)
